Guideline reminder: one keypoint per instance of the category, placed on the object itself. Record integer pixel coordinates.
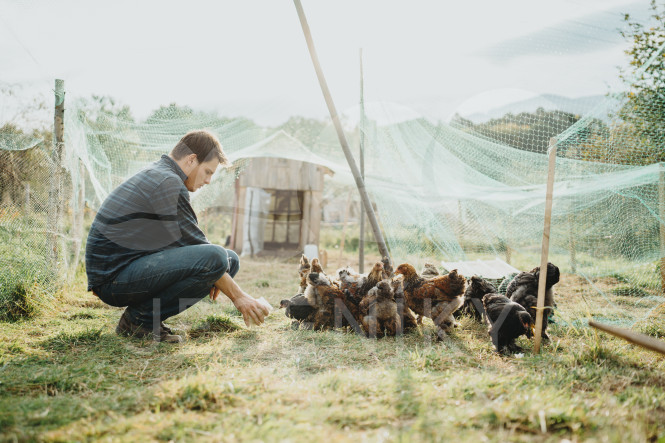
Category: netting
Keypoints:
(464, 190)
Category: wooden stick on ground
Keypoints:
(634, 337)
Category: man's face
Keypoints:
(201, 174)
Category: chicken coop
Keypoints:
(278, 201)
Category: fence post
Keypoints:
(55, 189)
(545, 247)
(661, 214)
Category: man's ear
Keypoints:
(191, 158)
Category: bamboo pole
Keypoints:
(361, 238)
(661, 216)
(383, 250)
(546, 245)
(634, 337)
(346, 217)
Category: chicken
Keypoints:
(378, 311)
(508, 320)
(303, 270)
(316, 266)
(524, 290)
(473, 297)
(298, 308)
(333, 308)
(347, 278)
(408, 321)
(436, 298)
(373, 278)
(429, 271)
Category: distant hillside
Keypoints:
(549, 102)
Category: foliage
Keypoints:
(644, 111)
(526, 131)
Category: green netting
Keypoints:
(462, 190)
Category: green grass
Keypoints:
(66, 376)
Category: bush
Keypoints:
(27, 282)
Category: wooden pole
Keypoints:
(54, 206)
(383, 249)
(361, 239)
(546, 246)
(661, 216)
(634, 337)
(346, 217)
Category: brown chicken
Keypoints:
(316, 266)
(436, 298)
(303, 270)
(378, 312)
(333, 308)
(406, 316)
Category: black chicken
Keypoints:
(524, 290)
(508, 320)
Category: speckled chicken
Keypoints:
(436, 298)
(524, 290)
(322, 294)
(361, 287)
(378, 311)
(508, 320)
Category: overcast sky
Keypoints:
(250, 57)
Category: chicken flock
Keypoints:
(387, 302)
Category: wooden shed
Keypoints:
(293, 192)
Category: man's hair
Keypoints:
(204, 144)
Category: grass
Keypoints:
(66, 376)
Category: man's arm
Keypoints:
(247, 305)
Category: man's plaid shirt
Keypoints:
(149, 212)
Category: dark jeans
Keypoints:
(163, 284)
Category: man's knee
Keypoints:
(216, 259)
(234, 262)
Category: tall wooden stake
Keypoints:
(361, 129)
(55, 191)
(661, 214)
(546, 246)
(383, 250)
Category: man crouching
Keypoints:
(146, 251)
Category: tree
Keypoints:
(644, 108)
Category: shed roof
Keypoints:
(492, 269)
(282, 145)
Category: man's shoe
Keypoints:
(166, 328)
(127, 328)
(166, 336)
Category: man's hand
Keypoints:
(251, 309)
(214, 292)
